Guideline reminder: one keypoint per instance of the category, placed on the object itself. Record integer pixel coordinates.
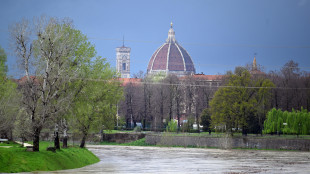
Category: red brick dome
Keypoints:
(171, 57)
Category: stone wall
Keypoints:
(122, 137)
(227, 143)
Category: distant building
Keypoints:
(123, 61)
(256, 70)
(130, 81)
(171, 58)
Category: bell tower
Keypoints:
(123, 61)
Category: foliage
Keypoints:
(140, 142)
(17, 159)
(172, 126)
(8, 99)
(137, 129)
(205, 119)
(188, 126)
(94, 106)
(296, 122)
(51, 52)
(3, 66)
(239, 102)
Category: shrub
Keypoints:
(172, 126)
(137, 129)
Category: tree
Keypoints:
(8, 99)
(95, 103)
(50, 62)
(296, 122)
(206, 119)
(292, 87)
(235, 105)
(3, 66)
(147, 99)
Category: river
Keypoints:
(135, 159)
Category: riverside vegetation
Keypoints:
(17, 159)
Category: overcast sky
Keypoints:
(218, 34)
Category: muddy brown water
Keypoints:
(133, 159)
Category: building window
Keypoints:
(124, 66)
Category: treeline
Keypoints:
(158, 99)
(284, 122)
(243, 100)
(292, 87)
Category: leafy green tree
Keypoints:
(3, 66)
(95, 103)
(205, 119)
(51, 52)
(8, 99)
(233, 106)
(280, 125)
(297, 126)
(296, 122)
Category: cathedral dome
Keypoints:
(171, 57)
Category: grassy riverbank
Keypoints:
(140, 142)
(17, 159)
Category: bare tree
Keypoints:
(147, 96)
(291, 86)
(159, 104)
(55, 60)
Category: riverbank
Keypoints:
(15, 158)
(220, 142)
(275, 143)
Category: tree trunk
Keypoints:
(144, 124)
(82, 145)
(101, 135)
(65, 142)
(65, 139)
(36, 139)
(244, 131)
(56, 141)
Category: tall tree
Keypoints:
(8, 99)
(50, 62)
(235, 105)
(95, 103)
(291, 92)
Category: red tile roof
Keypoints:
(23, 80)
(205, 77)
(127, 81)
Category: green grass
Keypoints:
(140, 142)
(17, 159)
(9, 143)
(116, 131)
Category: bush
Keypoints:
(137, 129)
(172, 126)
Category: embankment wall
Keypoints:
(228, 143)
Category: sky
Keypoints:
(218, 34)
